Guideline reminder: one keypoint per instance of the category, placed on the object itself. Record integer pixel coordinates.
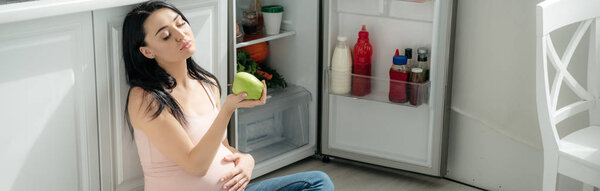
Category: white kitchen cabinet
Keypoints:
(49, 138)
(120, 164)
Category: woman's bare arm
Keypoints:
(217, 96)
(168, 136)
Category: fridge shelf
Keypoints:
(416, 93)
(279, 126)
(282, 34)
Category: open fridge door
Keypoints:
(371, 128)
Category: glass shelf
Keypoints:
(281, 34)
(414, 94)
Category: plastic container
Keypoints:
(381, 92)
(363, 51)
(341, 68)
(272, 15)
(398, 77)
(281, 125)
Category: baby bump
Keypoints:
(218, 168)
(182, 181)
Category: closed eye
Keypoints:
(180, 25)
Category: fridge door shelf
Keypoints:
(282, 34)
(279, 126)
(416, 93)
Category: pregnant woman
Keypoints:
(175, 116)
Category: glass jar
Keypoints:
(249, 21)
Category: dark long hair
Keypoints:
(146, 73)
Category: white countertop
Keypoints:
(45, 8)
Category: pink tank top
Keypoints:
(162, 174)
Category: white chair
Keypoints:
(576, 155)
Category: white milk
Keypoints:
(341, 68)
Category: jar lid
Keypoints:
(422, 58)
(416, 70)
(272, 9)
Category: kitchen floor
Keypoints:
(348, 176)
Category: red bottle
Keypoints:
(361, 85)
(398, 78)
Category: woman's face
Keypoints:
(168, 38)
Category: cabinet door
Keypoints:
(49, 130)
(121, 169)
(120, 164)
(208, 19)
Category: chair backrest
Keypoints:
(552, 15)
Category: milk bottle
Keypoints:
(341, 68)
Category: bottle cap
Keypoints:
(422, 58)
(272, 9)
(341, 38)
(363, 33)
(408, 53)
(399, 60)
(422, 50)
(416, 70)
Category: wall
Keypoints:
(494, 139)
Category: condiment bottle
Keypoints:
(422, 62)
(410, 62)
(417, 77)
(341, 67)
(398, 77)
(361, 83)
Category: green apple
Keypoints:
(246, 82)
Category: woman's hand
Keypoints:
(233, 102)
(238, 179)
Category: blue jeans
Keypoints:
(304, 181)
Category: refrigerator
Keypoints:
(307, 119)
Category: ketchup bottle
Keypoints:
(398, 78)
(361, 85)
